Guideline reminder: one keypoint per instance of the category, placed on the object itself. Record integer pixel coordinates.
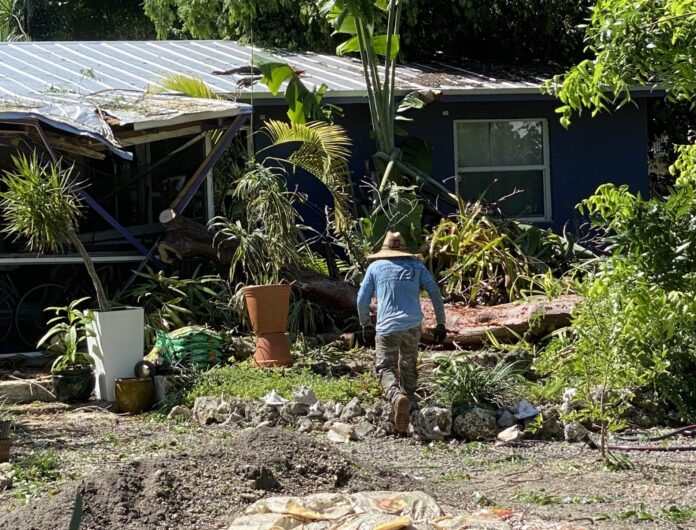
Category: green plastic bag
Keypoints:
(193, 345)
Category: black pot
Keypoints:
(73, 385)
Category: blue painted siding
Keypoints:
(607, 148)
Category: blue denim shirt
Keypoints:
(398, 283)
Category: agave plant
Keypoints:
(40, 206)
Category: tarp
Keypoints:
(376, 510)
(79, 120)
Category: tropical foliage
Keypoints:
(458, 380)
(171, 301)
(484, 259)
(266, 237)
(193, 87)
(634, 334)
(40, 207)
(11, 21)
(633, 43)
(323, 152)
(68, 331)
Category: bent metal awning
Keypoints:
(110, 117)
(89, 125)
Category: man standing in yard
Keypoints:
(397, 277)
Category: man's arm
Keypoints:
(429, 284)
(367, 289)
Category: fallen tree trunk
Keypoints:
(184, 238)
(466, 326)
(469, 326)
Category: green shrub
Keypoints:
(457, 380)
(635, 332)
(245, 380)
(489, 260)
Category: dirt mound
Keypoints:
(205, 490)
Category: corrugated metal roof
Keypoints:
(32, 69)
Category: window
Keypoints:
(507, 159)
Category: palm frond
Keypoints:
(190, 86)
(324, 153)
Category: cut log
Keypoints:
(337, 297)
(184, 238)
(469, 326)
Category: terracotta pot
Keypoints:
(272, 349)
(268, 307)
(134, 394)
(5, 445)
(75, 385)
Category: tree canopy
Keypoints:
(500, 30)
(632, 42)
(83, 19)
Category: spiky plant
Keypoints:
(40, 207)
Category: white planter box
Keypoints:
(116, 345)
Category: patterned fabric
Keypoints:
(191, 344)
(396, 362)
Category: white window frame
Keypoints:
(545, 167)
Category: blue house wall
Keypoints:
(592, 151)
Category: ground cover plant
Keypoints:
(458, 381)
(246, 381)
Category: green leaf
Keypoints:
(275, 72)
(378, 42)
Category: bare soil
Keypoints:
(144, 473)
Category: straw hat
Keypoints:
(394, 246)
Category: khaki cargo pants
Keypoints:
(396, 362)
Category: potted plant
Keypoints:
(41, 206)
(266, 241)
(72, 369)
(6, 419)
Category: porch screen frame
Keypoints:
(545, 167)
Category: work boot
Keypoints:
(402, 413)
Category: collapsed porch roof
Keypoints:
(102, 115)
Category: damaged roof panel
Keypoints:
(94, 115)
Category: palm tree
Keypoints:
(323, 152)
(40, 206)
